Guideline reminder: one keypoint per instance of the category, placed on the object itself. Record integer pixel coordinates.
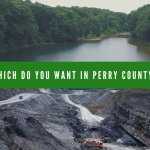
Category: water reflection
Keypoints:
(112, 49)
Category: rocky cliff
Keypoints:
(132, 110)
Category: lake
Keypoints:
(112, 49)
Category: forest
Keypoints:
(139, 24)
(25, 23)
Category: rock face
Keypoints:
(130, 110)
(133, 113)
(48, 122)
(23, 125)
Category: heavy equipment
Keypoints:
(20, 97)
(90, 143)
(105, 139)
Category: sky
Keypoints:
(115, 5)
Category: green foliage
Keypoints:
(113, 31)
(82, 38)
(148, 44)
(18, 25)
(28, 1)
(139, 23)
(102, 36)
(24, 23)
(91, 36)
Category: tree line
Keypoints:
(24, 23)
(139, 23)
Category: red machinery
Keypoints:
(91, 143)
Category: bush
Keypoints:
(148, 44)
(111, 31)
(114, 31)
(102, 36)
(82, 38)
(91, 36)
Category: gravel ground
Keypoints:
(7, 93)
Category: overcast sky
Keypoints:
(115, 5)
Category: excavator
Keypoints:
(90, 143)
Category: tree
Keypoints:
(139, 23)
(23, 23)
(28, 1)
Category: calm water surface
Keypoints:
(112, 49)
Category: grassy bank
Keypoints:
(104, 36)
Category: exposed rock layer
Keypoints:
(47, 122)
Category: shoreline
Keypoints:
(137, 42)
(94, 39)
(26, 46)
(119, 35)
(124, 35)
